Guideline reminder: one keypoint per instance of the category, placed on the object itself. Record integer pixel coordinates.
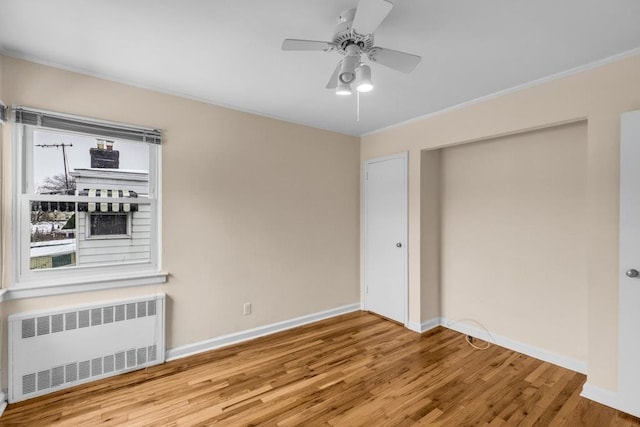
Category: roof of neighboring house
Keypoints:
(124, 174)
(53, 248)
(70, 224)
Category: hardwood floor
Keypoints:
(356, 369)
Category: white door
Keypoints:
(629, 290)
(385, 263)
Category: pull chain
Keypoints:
(357, 106)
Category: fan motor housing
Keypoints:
(344, 35)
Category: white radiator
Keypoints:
(53, 350)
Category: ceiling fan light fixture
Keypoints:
(348, 69)
(353, 37)
(363, 79)
(346, 77)
(343, 89)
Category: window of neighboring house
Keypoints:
(86, 199)
(114, 225)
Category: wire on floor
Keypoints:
(470, 338)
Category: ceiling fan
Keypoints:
(353, 38)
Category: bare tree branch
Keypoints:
(56, 184)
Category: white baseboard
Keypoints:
(609, 398)
(414, 326)
(424, 326)
(430, 324)
(600, 395)
(238, 337)
(529, 350)
(3, 402)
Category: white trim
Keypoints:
(155, 170)
(16, 159)
(600, 395)
(404, 156)
(3, 402)
(102, 283)
(424, 326)
(537, 82)
(414, 326)
(629, 249)
(260, 331)
(527, 349)
(608, 398)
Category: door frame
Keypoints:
(404, 156)
(629, 209)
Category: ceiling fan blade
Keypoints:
(333, 81)
(296, 44)
(369, 15)
(397, 60)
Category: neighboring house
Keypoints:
(52, 241)
(104, 232)
(54, 253)
(120, 230)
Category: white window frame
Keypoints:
(34, 283)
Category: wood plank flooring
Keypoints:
(356, 369)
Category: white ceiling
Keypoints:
(227, 52)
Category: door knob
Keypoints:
(399, 245)
(632, 273)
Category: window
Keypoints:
(85, 200)
(108, 225)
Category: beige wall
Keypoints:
(254, 209)
(599, 95)
(514, 237)
(430, 233)
(237, 168)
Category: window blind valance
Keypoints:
(3, 113)
(88, 126)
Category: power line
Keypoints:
(64, 159)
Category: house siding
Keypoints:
(137, 247)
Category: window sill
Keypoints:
(29, 290)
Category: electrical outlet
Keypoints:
(246, 308)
